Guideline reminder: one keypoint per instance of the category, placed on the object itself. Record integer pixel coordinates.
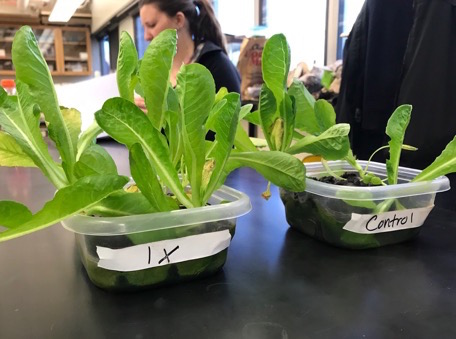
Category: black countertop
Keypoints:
(276, 283)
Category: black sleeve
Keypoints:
(224, 72)
(429, 81)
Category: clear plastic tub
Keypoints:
(361, 217)
(142, 251)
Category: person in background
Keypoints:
(200, 38)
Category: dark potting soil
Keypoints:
(349, 179)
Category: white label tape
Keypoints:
(163, 252)
(387, 221)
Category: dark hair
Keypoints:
(204, 26)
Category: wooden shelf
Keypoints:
(70, 43)
(57, 45)
(73, 59)
(71, 73)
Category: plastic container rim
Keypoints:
(407, 189)
(110, 226)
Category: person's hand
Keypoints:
(141, 104)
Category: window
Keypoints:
(105, 55)
(236, 17)
(348, 12)
(303, 23)
(141, 44)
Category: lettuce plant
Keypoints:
(171, 163)
(167, 146)
(294, 122)
(291, 119)
(292, 114)
(80, 183)
(396, 127)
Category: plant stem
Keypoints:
(330, 171)
(350, 158)
(372, 155)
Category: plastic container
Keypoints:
(148, 250)
(361, 217)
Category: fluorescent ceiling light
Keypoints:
(64, 9)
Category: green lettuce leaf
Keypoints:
(226, 124)
(245, 110)
(34, 84)
(268, 115)
(325, 115)
(88, 138)
(196, 91)
(253, 118)
(121, 204)
(95, 160)
(276, 65)
(173, 132)
(70, 200)
(21, 121)
(278, 167)
(395, 129)
(154, 74)
(327, 78)
(216, 108)
(173, 127)
(332, 144)
(220, 95)
(242, 141)
(146, 179)
(288, 114)
(72, 118)
(13, 214)
(127, 64)
(444, 164)
(305, 115)
(11, 154)
(127, 124)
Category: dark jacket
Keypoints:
(389, 62)
(429, 84)
(223, 71)
(373, 59)
(429, 81)
(217, 62)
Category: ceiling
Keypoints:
(25, 7)
(33, 7)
